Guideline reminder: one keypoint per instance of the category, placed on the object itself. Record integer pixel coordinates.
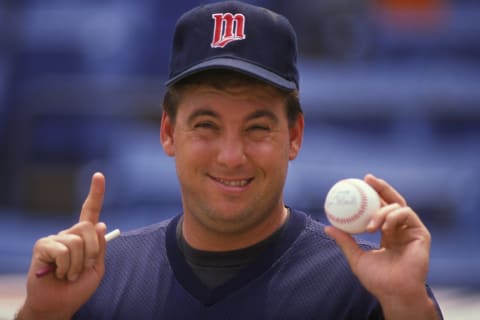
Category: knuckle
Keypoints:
(84, 226)
(40, 243)
(76, 241)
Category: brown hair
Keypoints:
(223, 79)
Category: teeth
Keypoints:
(233, 183)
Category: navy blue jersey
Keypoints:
(302, 275)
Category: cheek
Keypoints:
(192, 149)
(276, 144)
(273, 153)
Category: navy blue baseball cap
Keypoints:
(237, 36)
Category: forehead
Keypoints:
(224, 79)
(234, 99)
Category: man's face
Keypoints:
(232, 150)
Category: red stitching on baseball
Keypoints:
(361, 211)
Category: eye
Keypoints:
(258, 127)
(258, 132)
(205, 125)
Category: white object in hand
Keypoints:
(112, 235)
(350, 204)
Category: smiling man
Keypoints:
(232, 141)
(232, 120)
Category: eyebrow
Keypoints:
(255, 115)
(202, 112)
(263, 113)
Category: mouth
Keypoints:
(232, 183)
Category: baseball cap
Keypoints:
(237, 36)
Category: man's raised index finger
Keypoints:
(93, 203)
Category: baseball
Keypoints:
(350, 203)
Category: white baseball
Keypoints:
(350, 203)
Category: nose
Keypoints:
(231, 153)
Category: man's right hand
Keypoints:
(78, 254)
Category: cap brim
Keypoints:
(236, 65)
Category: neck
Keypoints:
(202, 238)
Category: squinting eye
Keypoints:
(258, 127)
(205, 125)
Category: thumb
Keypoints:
(347, 244)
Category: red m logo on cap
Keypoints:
(228, 28)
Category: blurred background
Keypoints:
(390, 87)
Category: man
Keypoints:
(233, 121)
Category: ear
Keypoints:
(296, 136)
(166, 135)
